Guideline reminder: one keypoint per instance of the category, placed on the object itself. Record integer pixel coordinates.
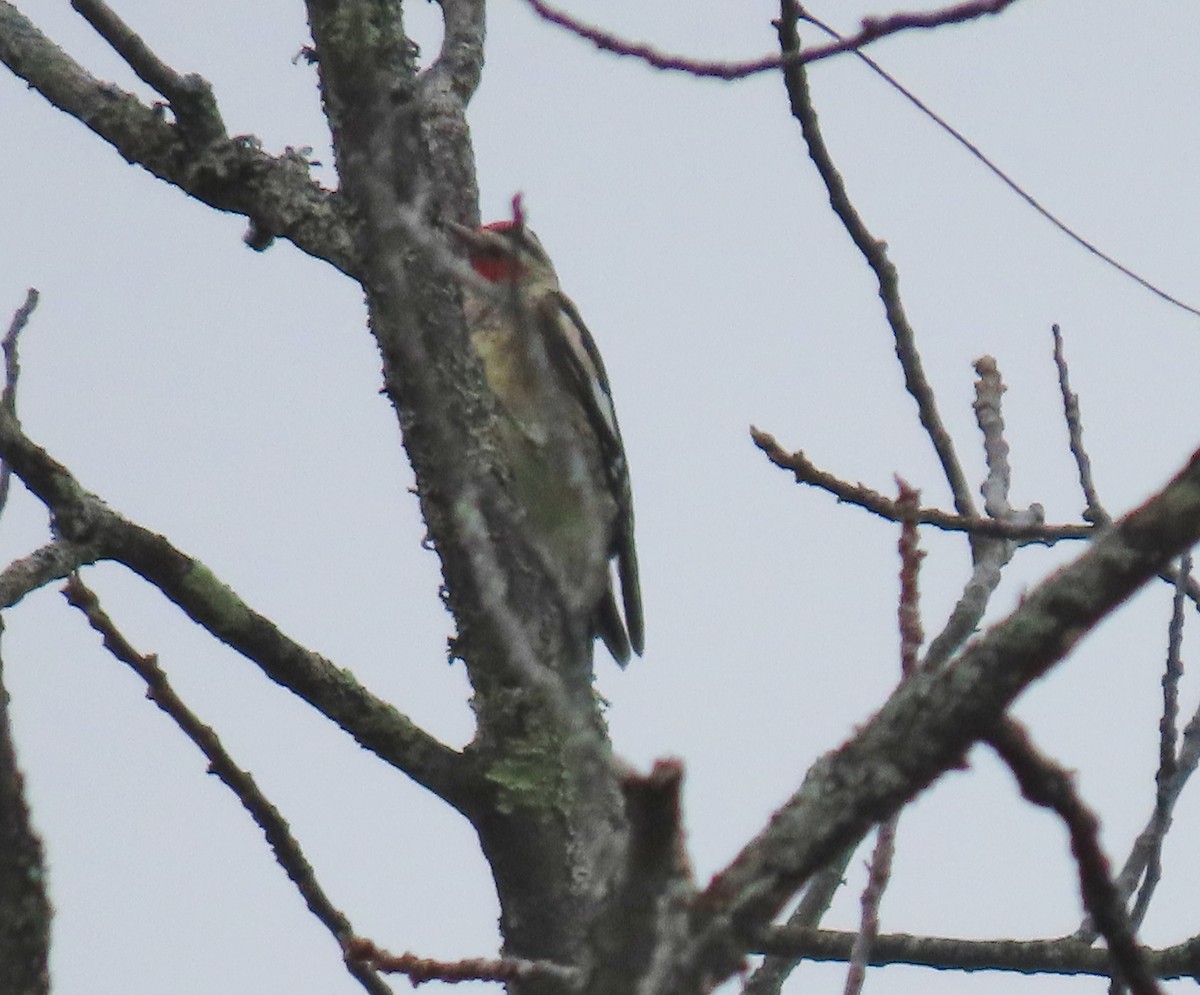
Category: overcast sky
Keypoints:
(230, 401)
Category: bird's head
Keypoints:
(507, 252)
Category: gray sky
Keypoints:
(229, 400)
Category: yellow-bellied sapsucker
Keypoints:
(558, 427)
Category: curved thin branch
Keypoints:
(286, 847)
(871, 29)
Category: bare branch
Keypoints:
(1149, 840)
(878, 875)
(648, 904)
(43, 566)
(930, 721)
(82, 518)
(909, 611)
(12, 368)
(874, 252)
(286, 847)
(810, 910)
(872, 29)
(1094, 511)
(1062, 956)
(1045, 783)
(12, 371)
(1168, 737)
(1175, 767)
(422, 969)
(1000, 174)
(911, 636)
(873, 501)
(992, 555)
(275, 193)
(191, 96)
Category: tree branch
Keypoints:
(806, 472)
(230, 174)
(83, 519)
(1047, 784)
(53, 561)
(1000, 174)
(285, 846)
(871, 29)
(1065, 956)
(928, 724)
(874, 252)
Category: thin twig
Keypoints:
(1064, 956)
(991, 555)
(12, 372)
(908, 614)
(927, 725)
(285, 846)
(1168, 738)
(1047, 784)
(874, 252)
(814, 903)
(419, 970)
(1093, 510)
(806, 472)
(872, 29)
(911, 555)
(878, 875)
(82, 517)
(1149, 839)
(1001, 175)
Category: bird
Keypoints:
(557, 426)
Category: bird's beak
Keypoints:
(469, 238)
(462, 231)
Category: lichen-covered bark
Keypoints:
(551, 822)
(24, 907)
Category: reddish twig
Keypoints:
(879, 873)
(1047, 784)
(878, 876)
(871, 29)
(287, 849)
(419, 970)
(909, 612)
(870, 500)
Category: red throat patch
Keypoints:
(495, 265)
